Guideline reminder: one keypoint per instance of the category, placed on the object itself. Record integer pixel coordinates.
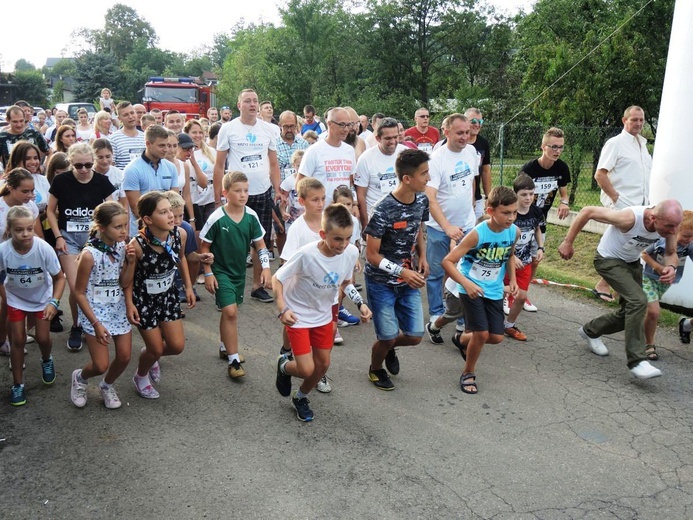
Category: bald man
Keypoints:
(630, 232)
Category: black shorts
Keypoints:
(263, 205)
(482, 314)
(202, 214)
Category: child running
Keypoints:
(227, 234)
(305, 289)
(529, 219)
(653, 257)
(101, 302)
(34, 283)
(151, 298)
(486, 253)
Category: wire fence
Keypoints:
(513, 145)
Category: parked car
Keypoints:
(72, 108)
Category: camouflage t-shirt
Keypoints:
(396, 225)
(8, 140)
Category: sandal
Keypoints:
(466, 386)
(463, 348)
(603, 296)
(651, 352)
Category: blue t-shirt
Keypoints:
(485, 263)
(657, 250)
(190, 243)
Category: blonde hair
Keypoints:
(175, 199)
(298, 154)
(16, 213)
(306, 184)
(80, 149)
(206, 150)
(232, 178)
(687, 222)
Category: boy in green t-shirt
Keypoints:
(228, 233)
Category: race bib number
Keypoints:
(107, 294)
(251, 162)
(77, 227)
(286, 172)
(425, 147)
(388, 182)
(484, 273)
(161, 283)
(525, 237)
(459, 183)
(546, 186)
(26, 281)
(640, 243)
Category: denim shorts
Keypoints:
(395, 308)
(74, 241)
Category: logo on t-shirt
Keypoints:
(331, 278)
(251, 137)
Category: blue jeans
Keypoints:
(437, 247)
(395, 308)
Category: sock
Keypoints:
(233, 357)
(687, 326)
(103, 384)
(433, 327)
(80, 379)
(508, 325)
(222, 347)
(300, 394)
(142, 382)
(285, 352)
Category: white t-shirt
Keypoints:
(206, 195)
(452, 174)
(356, 234)
(331, 165)
(311, 283)
(29, 282)
(84, 136)
(4, 208)
(180, 168)
(115, 175)
(41, 187)
(376, 172)
(299, 235)
(293, 206)
(248, 148)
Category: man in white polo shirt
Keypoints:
(451, 203)
(375, 174)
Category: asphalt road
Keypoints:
(554, 433)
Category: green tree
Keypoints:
(123, 31)
(95, 71)
(31, 87)
(22, 65)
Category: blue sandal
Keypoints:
(464, 383)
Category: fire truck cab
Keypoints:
(192, 97)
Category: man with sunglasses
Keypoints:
(424, 136)
(550, 175)
(225, 114)
(483, 151)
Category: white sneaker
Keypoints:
(595, 344)
(644, 370)
(110, 397)
(338, 339)
(5, 349)
(147, 391)
(529, 306)
(30, 339)
(324, 386)
(78, 391)
(200, 279)
(506, 307)
(155, 371)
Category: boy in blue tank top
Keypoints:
(485, 252)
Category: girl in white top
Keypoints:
(34, 284)
(83, 130)
(103, 127)
(26, 155)
(205, 157)
(101, 302)
(103, 154)
(105, 100)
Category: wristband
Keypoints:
(263, 255)
(360, 304)
(279, 316)
(390, 267)
(54, 302)
(97, 321)
(191, 220)
(541, 248)
(208, 274)
(353, 295)
(59, 236)
(675, 267)
(565, 202)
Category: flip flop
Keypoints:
(605, 297)
(464, 382)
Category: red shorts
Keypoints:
(15, 315)
(522, 276)
(303, 340)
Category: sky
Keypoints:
(48, 35)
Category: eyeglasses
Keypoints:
(476, 121)
(424, 116)
(556, 147)
(288, 127)
(343, 126)
(80, 166)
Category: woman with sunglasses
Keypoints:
(71, 202)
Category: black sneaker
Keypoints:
(434, 334)
(262, 295)
(283, 380)
(381, 379)
(56, 324)
(74, 341)
(303, 411)
(286, 353)
(684, 336)
(391, 362)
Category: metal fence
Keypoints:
(515, 144)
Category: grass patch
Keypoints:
(579, 270)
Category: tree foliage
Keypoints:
(31, 87)
(22, 65)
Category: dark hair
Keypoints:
(409, 161)
(342, 191)
(388, 122)
(172, 112)
(336, 216)
(309, 109)
(59, 146)
(101, 144)
(58, 161)
(14, 178)
(500, 196)
(18, 155)
(103, 215)
(146, 205)
(523, 182)
(214, 130)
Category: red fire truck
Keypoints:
(190, 96)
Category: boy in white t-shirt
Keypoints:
(305, 289)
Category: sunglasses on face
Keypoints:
(80, 166)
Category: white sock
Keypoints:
(508, 325)
(232, 357)
(300, 395)
(103, 384)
